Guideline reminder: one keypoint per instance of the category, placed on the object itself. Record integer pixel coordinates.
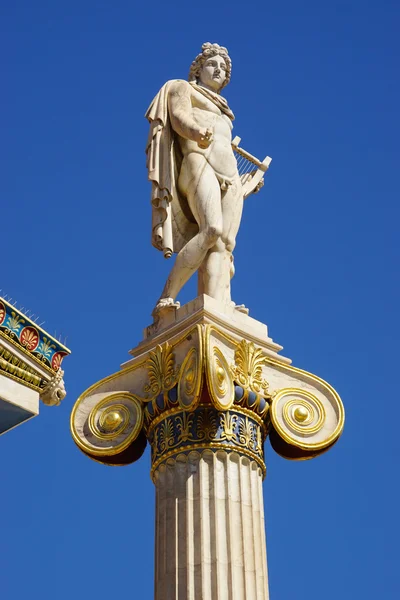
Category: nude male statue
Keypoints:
(197, 196)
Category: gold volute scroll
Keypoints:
(108, 427)
(191, 380)
(305, 424)
(219, 379)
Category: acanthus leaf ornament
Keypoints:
(246, 433)
(228, 422)
(183, 424)
(247, 370)
(181, 432)
(166, 435)
(161, 369)
(207, 425)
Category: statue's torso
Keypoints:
(219, 154)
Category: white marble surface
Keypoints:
(19, 394)
(197, 193)
(171, 322)
(210, 531)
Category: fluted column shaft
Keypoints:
(210, 532)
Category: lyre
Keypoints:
(251, 178)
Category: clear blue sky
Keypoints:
(316, 86)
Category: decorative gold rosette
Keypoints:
(108, 427)
(305, 424)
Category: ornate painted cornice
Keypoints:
(29, 338)
(30, 367)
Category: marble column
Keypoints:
(210, 532)
(205, 388)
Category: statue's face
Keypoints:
(213, 73)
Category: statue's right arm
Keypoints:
(180, 111)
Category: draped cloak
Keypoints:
(173, 224)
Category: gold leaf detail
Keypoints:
(183, 424)
(228, 423)
(207, 426)
(259, 441)
(246, 433)
(247, 369)
(166, 435)
(154, 444)
(161, 370)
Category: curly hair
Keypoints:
(208, 50)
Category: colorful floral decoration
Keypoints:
(237, 430)
(2, 312)
(57, 359)
(21, 331)
(29, 338)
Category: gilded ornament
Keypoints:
(11, 366)
(310, 410)
(112, 420)
(183, 424)
(107, 426)
(166, 435)
(246, 433)
(306, 421)
(161, 371)
(247, 370)
(154, 442)
(181, 431)
(190, 380)
(220, 382)
(228, 422)
(207, 425)
(300, 414)
(259, 441)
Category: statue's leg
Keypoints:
(199, 184)
(217, 269)
(232, 208)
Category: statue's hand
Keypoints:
(204, 137)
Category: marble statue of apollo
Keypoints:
(197, 193)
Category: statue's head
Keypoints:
(212, 67)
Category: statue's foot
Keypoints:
(240, 308)
(164, 303)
